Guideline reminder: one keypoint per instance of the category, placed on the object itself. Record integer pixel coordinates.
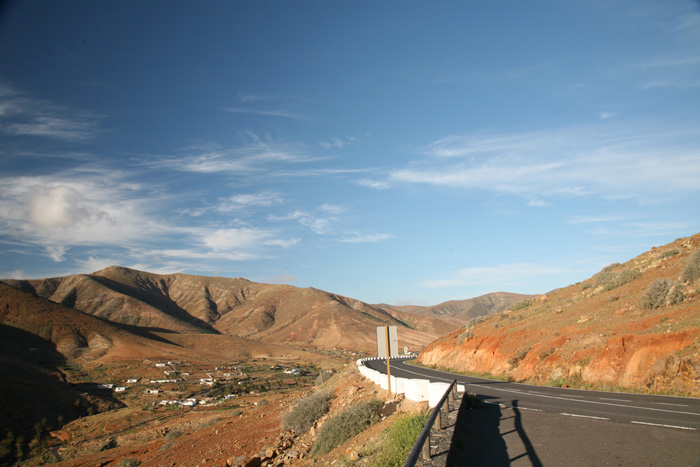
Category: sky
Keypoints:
(401, 152)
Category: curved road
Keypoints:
(655, 430)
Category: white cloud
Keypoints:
(320, 225)
(78, 207)
(56, 252)
(339, 143)
(331, 208)
(266, 112)
(593, 219)
(368, 238)
(607, 115)
(55, 127)
(24, 115)
(235, 239)
(18, 274)
(538, 203)
(255, 155)
(59, 206)
(641, 229)
(93, 264)
(503, 276)
(376, 184)
(610, 160)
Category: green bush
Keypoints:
(348, 423)
(307, 410)
(691, 272)
(400, 439)
(669, 253)
(610, 280)
(661, 292)
(521, 305)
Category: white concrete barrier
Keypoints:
(417, 389)
(435, 393)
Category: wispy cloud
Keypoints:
(93, 206)
(593, 219)
(62, 128)
(253, 155)
(321, 222)
(376, 184)
(606, 160)
(267, 112)
(237, 203)
(339, 143)
(25, 115)
(366, 238)
(644, 229)
(671, 83)
(504, 276)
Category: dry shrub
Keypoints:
(661, 292)
(691, 272)
(348, 423)
(609, 280)
(307, 410)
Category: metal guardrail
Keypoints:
(422, 445)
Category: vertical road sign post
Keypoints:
(388, 353)
(387, 346)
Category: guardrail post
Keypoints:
(425, 451)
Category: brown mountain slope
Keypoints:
(606, 331)
(459, 312)
(235, 307)
(92, 340)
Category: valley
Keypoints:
(125, 367)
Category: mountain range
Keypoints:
(90, 314)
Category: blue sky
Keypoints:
(398, 152)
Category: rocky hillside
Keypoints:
(635, 325)
(459, 312)
(181, 303)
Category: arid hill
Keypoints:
(459, 312)
(281, 314)
(635, 325)
(69, 334)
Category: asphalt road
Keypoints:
(537, 425)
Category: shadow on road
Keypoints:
(529, 449)
(478, 437)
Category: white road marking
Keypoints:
(583, 416)
(666, 403)
(583, 401)
(616, 400)
(531, 410)
(665, 426)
